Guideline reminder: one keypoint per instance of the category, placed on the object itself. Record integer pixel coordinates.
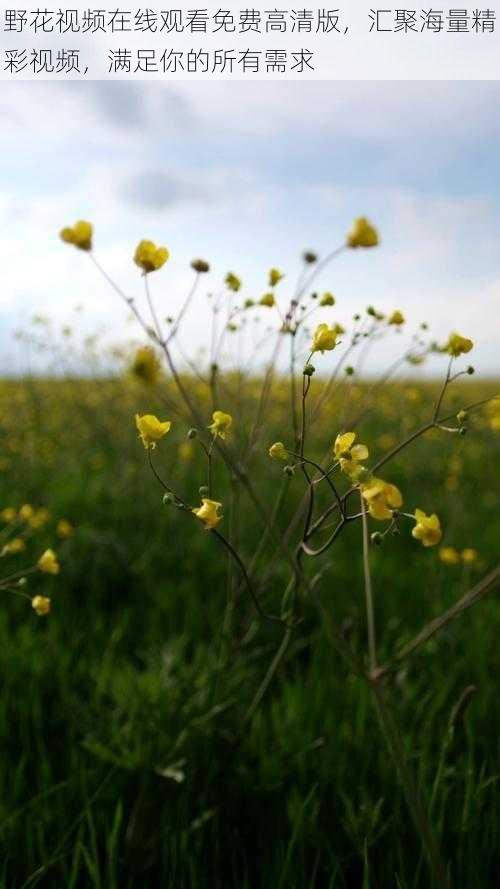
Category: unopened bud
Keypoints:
(192, 433)
(203, 491)
(470, 370)
(200, 266)
(462, 431)
(377, 539)
(168, 498)
(309, 370)
(310, 257)
(349, 371)
(289, 470)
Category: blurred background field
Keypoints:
(126, 760)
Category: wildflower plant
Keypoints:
(18, 528)
(318, 495)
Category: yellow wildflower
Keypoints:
(469, 555)
(221, 424)
(151, 429)
(14, 546)
(209, 513)
(427, 528)
(8, 514)
(381, 498)
(80, 235)
(64, 529)
(327, 299)
(449, 555)
(275, 276)
(268, 300)
(233, 282)
(324, 338)
(277, 451)
(39, 518)
(396, 318)
(48, 562)
(349, 454)
(26, 512)
(362, 234)
(145, 365)
(458, 345)
(41, 604)
(149, 257)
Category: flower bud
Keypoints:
(200, 266)
(309, 257)
(192, 433)
(309, 370)
(470, 370)
(289, 471)
(349, 371)
(376, 538)
(203, 491)
(461, 416)
(168, 498)
(462, 431)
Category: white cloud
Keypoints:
(154, 162)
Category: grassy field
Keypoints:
(134, 752)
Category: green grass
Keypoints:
(126, 760)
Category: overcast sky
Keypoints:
(247, 175)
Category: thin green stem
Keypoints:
(370, 616)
